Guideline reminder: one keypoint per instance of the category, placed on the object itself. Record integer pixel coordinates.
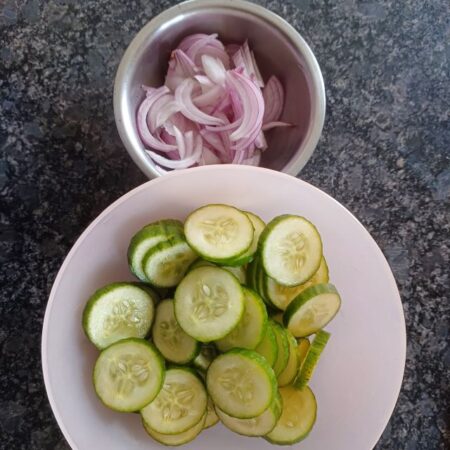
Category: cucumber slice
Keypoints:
(291, 250)
(117, 311)
(281, 295)
(211, 416)
(128, 375)
(302, 349)
(209, 303)
(251, 274)
(170, 339)
(283, 348)
(312, 310)
(257, 426)
(291, 369)
(260, 288)
(148, 237)
(251, 328)
(312, 358)
(238, 272)
(180, 404)
(166, 263)
(241, 383)
(268, 346)
(297, 417)
(257, 281)
(219, 233)
(156, 297)
(206, 356)
(179, 438)
(258, 226)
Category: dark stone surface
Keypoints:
(384, 154)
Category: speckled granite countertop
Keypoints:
(384, 154)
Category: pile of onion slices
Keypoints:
(214, 107)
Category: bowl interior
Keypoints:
(275, 53)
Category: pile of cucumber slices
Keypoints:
(217, 327)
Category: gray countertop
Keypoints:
(384, 154)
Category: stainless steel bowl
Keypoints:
(278, 48)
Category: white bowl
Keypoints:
(359, 376)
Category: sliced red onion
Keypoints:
(183, 95)
(180, 68)
(204, 81)
(231, 49)
(188, 41)
(245, 59)
(252, 105)
(166, 111)
(148, 89)
(160, 103)
(260, 141)
(273, 95)
(181, 141)
(253, 160)
(215, 141)
(208, 45)
(211, 109)
(182, 163)
(225, 136)
(208, 157)
(214, 69)
(210, 97)
(270, 125)
(142, 126)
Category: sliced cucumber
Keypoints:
(205, 357)
(211, 416)
(251, 275)
(291, 369)
(258, 226)
(209, 303)
(256, 426)
(219, 233)
(281, 295)
(268, 346)
(241, 383)
(257, 281)
(297, 417)
(201, 263)
(170, 339)
(128, 375)
(154, 294)
(238, 272)
(260, 288)
(283, 348)
(180, 404)
(302, 349)
(148, 237)
(311, 359)
(166, 263)
(118, 311)
(291, 250)
(179, 438)
(251, 328)
(312, 310)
